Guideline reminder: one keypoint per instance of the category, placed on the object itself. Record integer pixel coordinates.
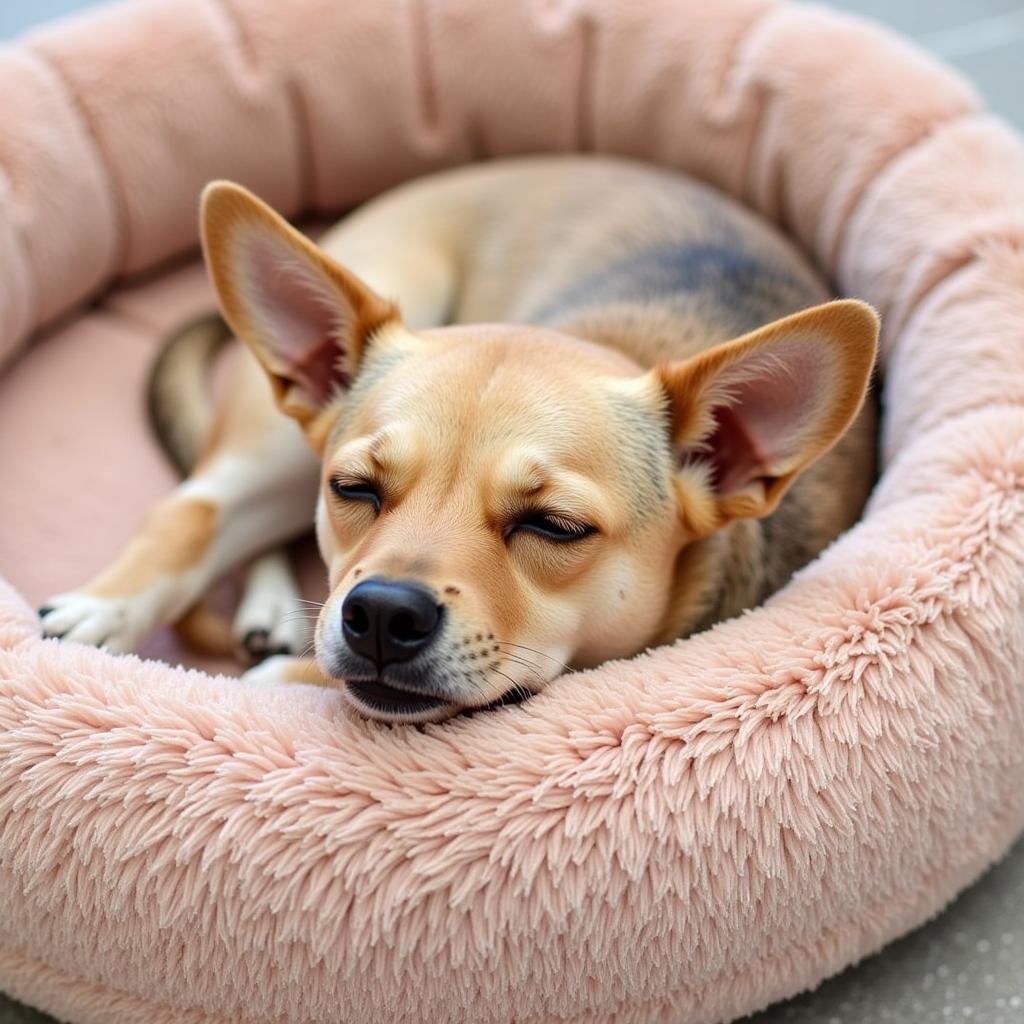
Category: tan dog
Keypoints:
(556, 457)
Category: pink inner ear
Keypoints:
(299, 315)
(773, 396)
(733, 459)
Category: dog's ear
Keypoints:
(749, 415)
(306, 318)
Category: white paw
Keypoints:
(272, 619)
(277, 670)
(118, 624)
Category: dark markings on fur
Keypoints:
(743, 289)
(785, 542)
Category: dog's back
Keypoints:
(601, 241)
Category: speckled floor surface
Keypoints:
(968, 964)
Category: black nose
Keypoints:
(389, 620)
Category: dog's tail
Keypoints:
(178, 399)
(181, 413)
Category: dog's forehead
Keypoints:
(516, 410)
(480, 393)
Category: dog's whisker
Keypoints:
(561, 664)
(299, 616)
(517, 688)
(530, 666)
(532, 669)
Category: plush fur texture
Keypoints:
(684, 837)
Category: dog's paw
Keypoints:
(271, 619)
(117, 624)
(275, 670)
(268, 629)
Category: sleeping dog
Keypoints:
(549, 411)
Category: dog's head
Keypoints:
(501, 502)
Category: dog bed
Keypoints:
(686, 836)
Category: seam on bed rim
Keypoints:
(890, 164)
(426, 102)
(586, 40)
(762, 102)
(115, 188)
(30, 322)
(724, 88)
(293, 96)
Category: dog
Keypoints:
(549, 411)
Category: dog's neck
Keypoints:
(647, 333)
(714, 579)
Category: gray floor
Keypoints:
(968, 964)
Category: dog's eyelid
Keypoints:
(356, 489)
(555, 526)
(354, 477)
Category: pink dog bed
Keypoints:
(686, 836)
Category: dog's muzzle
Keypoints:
(390, 623)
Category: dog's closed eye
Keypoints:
(357, 490)
(551, 526)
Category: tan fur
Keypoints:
(173, 538)
(206, 631)
(530, 374)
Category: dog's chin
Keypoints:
(398, 693)
(373, 698)
(401, 693)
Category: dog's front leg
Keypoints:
(282, 669)
(239, 501)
